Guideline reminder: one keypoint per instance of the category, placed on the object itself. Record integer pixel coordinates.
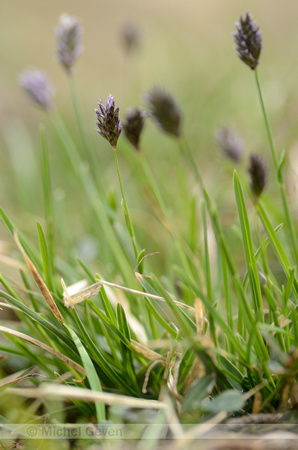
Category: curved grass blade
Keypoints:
(91, 373)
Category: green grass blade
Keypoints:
(208, 271)
(258, 253)
(182, 318)
(29, 249)
(91, 373)
(47, 266)
(125, 351)
(218, 317)
(110, 324)
(56, 332)
(276, 245)
(155, 308)
(47, 195)
(248, 249)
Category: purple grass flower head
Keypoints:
(38, 87)
(248, 41)
(258, 171)
(68, 36)
(133, 126)
(230, 143)
(108, 122)
(165, 110)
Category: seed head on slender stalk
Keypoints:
(248, 41)
(69, 36)
(133, 126)
(257, 170)
(130, 37)
(38, 87)
(108, 122)
(110, 127)
(230, 143)
(165, 110)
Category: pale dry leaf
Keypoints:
(11, 262)
(200, 317)
(45, 347)
(47, 390)
(147, 352)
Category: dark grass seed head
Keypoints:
(258, 173)
(130, 37)
(68, 36)
(248, 41)
(230, 143)
(164, 110)
(133, 126)
(108, 122)
(38, 87)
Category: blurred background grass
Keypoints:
(185, 46)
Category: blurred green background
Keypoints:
(185, 46)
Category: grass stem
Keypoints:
(278, 168)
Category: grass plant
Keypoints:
(208, 340)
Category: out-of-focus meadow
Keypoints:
(184, 46)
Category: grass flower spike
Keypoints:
(130, 36)
(258, 174)
(108, 122)
(38, 87)
(231, 144)
(68, 34)
(165, 111)
(110, 127)
(133, 126)
(248, 41)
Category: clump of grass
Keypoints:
(193, 344)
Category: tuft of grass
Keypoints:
(208, 339)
